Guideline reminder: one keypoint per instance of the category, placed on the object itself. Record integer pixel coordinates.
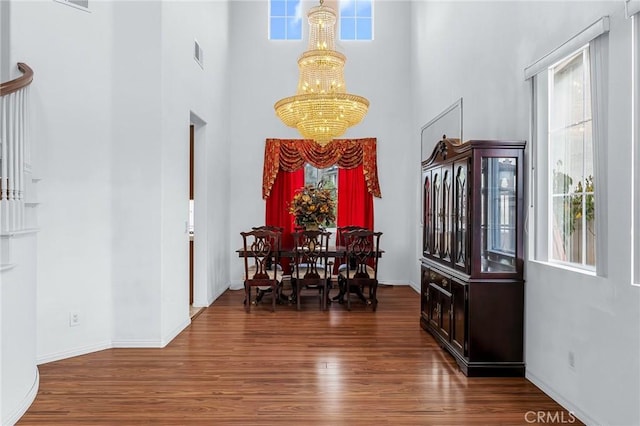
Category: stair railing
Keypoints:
(15, 149)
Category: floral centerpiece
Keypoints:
(313, 206)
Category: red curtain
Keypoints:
(355, 202)
(277, 212)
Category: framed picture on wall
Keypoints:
(447, 124)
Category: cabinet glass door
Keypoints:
(460, 215)
(427, 211)
(438, 213)
(446, 215)
(498, 221)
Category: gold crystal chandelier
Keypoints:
(322, 109)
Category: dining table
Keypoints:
(336, 252)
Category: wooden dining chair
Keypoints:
(341, 261)
(261, 258)
(283, 266)
(311, 264)
(363, 253)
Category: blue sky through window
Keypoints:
(285, 20)
(356, 20)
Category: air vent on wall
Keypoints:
(198, 53)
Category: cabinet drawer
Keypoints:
(439, 280)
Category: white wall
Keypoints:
(115, 90)
(190, 89)
(70, 53)
(18, 370)
(478, 51)
(158, 92)
(113, 95)
(263, 71)
(5, 37)
(137, 173)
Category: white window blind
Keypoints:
(594, 30)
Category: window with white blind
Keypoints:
(572, 233)
(568, 159)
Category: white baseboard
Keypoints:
(393, 282)
(236, 285)
(83, 350)
(122, 343)
(167, 339)
(134, 343)
(219, 293)
(414, 286)
(26, 402)
(580, 414)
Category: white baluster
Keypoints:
(23, 138)
(11, 154)
(14, 159)
(19, 144)
(4, 141)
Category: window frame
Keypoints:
(286, 18)
(356, 18)
(320, 173)
(596, 37)
(583, 54)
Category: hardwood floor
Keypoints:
(298, 368)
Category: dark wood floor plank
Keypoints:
(287, 368)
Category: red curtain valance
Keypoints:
(292, 154)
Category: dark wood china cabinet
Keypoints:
(472, 298)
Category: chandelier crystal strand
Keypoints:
(322, 109)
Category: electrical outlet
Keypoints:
(74, 319)
(572, 359)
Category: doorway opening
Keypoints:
(198, 223)
(193, 310)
